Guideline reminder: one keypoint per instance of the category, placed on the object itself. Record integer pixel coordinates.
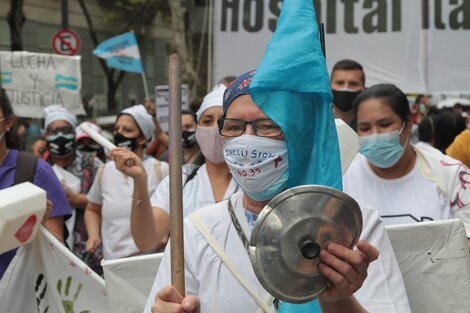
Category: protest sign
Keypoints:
(35, 80)
(162, 103)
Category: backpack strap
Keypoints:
(191, 175)
(25, 167)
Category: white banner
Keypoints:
(421, 46)
(433, 256)
(45, 276)
(129, 281)
(36, 80)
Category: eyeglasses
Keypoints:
(230, 127)
(61, 130)
(2, 119)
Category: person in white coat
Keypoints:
(111, 197)
(219, 289)
(278, 132)
(202, 185)
(211, 182)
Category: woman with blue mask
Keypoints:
(424, 184)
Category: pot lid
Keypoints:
(289, 234)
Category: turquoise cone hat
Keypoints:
(292, 87)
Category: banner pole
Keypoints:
(144, 77)
(146, 88)
(176, 156)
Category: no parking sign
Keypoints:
(66, 42)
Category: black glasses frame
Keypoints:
(221, 121)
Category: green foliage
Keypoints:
(118, 9)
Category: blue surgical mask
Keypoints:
(383, 150)
(276, 188)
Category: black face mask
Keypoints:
(61, 145)
(88, 147)
(189, 138)
(124, 142)
(344, 99)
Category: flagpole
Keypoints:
(144, 77)
(144, 80)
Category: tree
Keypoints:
(141, 13)
(16, 21)
(180, 46)
(141, 9)
(179, 24)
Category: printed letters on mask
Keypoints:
(258, 164)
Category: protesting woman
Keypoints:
(423, 184)
(11, 162)
(108, 214)
(202, 185)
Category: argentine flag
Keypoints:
(121, 52)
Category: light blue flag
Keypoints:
(292, 87)
(121, 52)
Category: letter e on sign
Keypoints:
(66, 42)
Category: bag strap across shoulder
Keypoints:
(25, 167)
(199, 223)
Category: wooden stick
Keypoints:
(176, 159)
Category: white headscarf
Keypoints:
(57, 112)
(79, 133)
(212, 99)
(142, 118)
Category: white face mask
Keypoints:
(256, 163)
(210, 143)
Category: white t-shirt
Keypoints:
(197, 192)
(113, 191)
(408, 199)
(207, 277)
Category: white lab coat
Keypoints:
(218, 290)
(197, 193)
(113, 191)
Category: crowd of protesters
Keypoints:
(118, 211)
(111, 208)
